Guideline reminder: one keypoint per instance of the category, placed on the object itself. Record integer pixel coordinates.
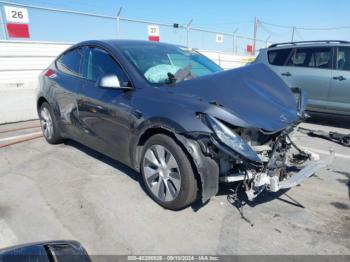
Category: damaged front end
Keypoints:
(260, 160)
(248, 130)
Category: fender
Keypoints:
(206, 167)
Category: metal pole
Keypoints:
(267, 39)
(255, 33)
(188, 28)
(2, 21)
(233, 40)
(118, 22)
(293, 30)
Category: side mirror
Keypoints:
(46, 252)
(111, 81)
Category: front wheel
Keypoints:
(167, 173)
(49, 125)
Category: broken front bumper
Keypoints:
(262, 181)
(306, 172)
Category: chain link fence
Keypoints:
(73, 26)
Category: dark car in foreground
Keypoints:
(48, 251)
(177, 117)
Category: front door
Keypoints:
(310, 69)
(105, 112)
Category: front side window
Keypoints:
(343, 58)
(70, 62)
(278, 57)
(160, 64)
(99, 63)
(311, 57)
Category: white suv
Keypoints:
(321, 68)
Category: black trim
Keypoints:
(80, 64)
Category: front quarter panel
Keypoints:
(159, 108)
(158, 105)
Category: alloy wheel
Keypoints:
(46, 123)
(162, 173)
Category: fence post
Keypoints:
(118, 22)
(233, 40)
(3, 22)
(188, 28)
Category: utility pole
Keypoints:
(293, 30)
(118, 21)
(188, 28)
(256, 21)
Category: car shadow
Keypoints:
(329, 120)
(346, 180)
(240, 199)
(224, 189)
(107, 160)
(265, 197)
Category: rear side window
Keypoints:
(100, 63)
(343, 58)
(319, 57)
(278, 57)
(70, 61)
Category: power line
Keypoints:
(225, 23)
(305, 28)
(324, 28)
(275, 25)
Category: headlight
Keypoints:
(231, 139)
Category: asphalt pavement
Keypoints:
(68, 191)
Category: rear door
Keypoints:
(339, 95)
(105, 112)
(67, 84)
(310, 69)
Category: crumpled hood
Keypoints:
(252, 93)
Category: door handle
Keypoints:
(286, 74)
(340, 78)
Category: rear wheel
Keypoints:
(49, 125)
(167, 173)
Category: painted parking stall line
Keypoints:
(20, 136)
(325, 152)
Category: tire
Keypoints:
(167, 173)
(49, 125)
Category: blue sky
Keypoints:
(220, 15)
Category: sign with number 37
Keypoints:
(16, 14)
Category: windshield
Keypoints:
(167, 64)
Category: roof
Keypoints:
(309, 43)
(116, 42)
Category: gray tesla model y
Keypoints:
(176, 117)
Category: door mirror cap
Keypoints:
(111, 81)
